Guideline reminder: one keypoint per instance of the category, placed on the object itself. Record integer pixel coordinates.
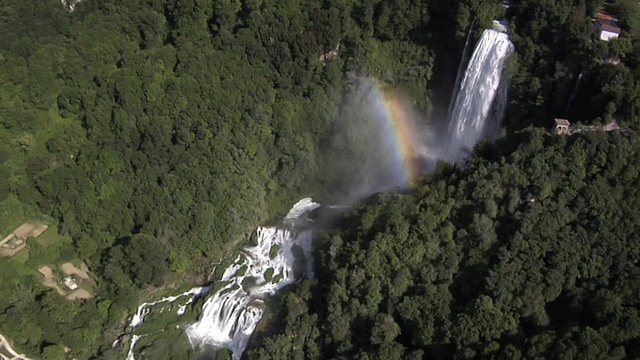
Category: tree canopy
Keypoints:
(155, 134)
(532, 253)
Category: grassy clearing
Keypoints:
(19, 263)
(21, 257)
(44, 250)
(51, 238)
(12, 214)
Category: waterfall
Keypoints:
(231, 314)
(481, 100)
(573, 92)
(463, 61)
(282, 256)
(145, 308)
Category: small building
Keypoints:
(562, 126)
(607, 29)
(607, 26)
(70, 283)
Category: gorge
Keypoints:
(284, 255)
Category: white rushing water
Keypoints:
(145, 308)
(231, 314)
(461, 66)
(134, 340)
(282, 256)
(481, 100)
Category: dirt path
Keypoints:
(69, 269)
(10, 252)
(80, 294)
(5, 347)
(48, 279)
(29, 230)
(6, 240)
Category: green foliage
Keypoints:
(144, 257)
(525, 251)
(174, 346)
(156, 133)
(52, 352)
(13, 212)
(563, 70)
(384, 330)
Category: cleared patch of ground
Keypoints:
(29, 229)
(17, 240)
(79, 294)
(70, 269)
(7, 251)
(48, 279)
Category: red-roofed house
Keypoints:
(601, 14)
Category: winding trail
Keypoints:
(5, 347)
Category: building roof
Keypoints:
(564, 122)
(70, 283)
(608, 25)
(601, 14)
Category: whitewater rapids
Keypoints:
(283, 255)
(231, 314)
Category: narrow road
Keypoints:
(5, 347)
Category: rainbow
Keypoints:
(399, 127)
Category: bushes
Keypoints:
(550, 280)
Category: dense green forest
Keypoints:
(527, 253)
(155, 134)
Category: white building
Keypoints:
(70, 283)
(607, 29)
(563, 126)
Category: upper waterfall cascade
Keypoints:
(481, 100)
(461, 66)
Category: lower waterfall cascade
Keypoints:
(282, 256)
